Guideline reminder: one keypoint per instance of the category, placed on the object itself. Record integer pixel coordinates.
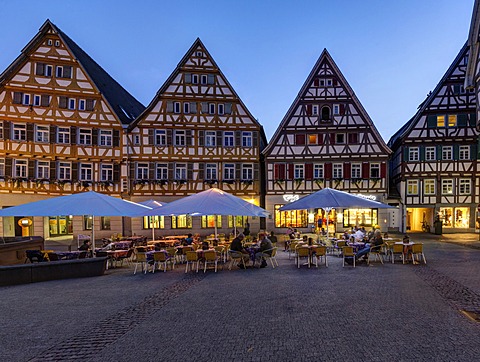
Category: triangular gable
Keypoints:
(326, 67)
(125, 106)
(427, 104)
(197, 58)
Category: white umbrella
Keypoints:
(154, 204)
(329, 199)
(85, 203)
(210, 202)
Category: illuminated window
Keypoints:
(294, 218)
(208, 221)
(440, 121)
(452, 120)
(412, 187)
(312, 139)
(153, 222)
(182, 222)
(429, 187)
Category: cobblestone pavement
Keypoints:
(382, 312)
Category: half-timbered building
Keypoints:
(62, 123)
(326, 139)
(434, 165)
(472, 76)
(195, 134)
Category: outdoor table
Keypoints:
(119, 245)
(68, 255)
(113, 255)
(176, 237)
(407, 248)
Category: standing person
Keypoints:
(266, 247)
(237, 246)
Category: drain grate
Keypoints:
(110, 329)
(456, 294)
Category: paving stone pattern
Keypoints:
(383, 312)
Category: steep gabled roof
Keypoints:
(325, 56)
(125, 106)
(474, 44)
(197, 43)
(428, 101)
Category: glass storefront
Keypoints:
(455, 217)
(153, 222)
(360, 217)
(182, 222)
(209, 221)
(293, 218)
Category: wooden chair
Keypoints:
(376, 252)
(302, 252)
(348, 252)
(172, 256)
(160, 258)
(320, 252)
(127, 258)
(141, 259)
(292, 248)
(210, 257)
(272, 256)
(236, 256)
(191, 257)
(338, 247)
(417, 249)
(398, 250)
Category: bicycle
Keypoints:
(425, 227)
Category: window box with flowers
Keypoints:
(247, 182)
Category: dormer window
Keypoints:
(49, 42)
(57, 43)
(329, 82)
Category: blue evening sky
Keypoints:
(391, 52)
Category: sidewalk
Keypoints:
(470, 240)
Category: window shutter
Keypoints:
(473, 152)
(316, 82)
(255, 138)
(462, 120)
(201, 171)
(31, 168)
(116, 138)
(352, 138)
(73, 135)
(74, 171)
(151, 170)
(456, 89)
(422, 153)
(30, 132)
(17, 97)
(169, 137)
(473, 119)
(204, 107)
(347, 170)
(299, 139)
(151, 136)
(170, 170)
(335, 82)
(45, 100)
(62, 102)
(169, 107)
(94, 137)
(188, 137)
(201, 138)
(328, 170)
(67, 71)
(219, 139)
(383, 170)
(238, 138)
(320, 139)
(189, 171)
(53, 135)
(256, 172)
(211, 79)
(455, 152)
(8, 167)
(439, 152)
(366, 170)
(40, 69)
(188, 78)
(53, 170)
(291, 171)
(309, 171)
(193, 107)
(342, 109)
(228, 108)
(89, 106)
(431, 121)
(116, 172)
(238, 171)
(405, 154)
(133, 166)
(309, 109)
(332, 138)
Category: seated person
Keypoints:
(373, 245)
(237, 245)
(109, 246)
(305, 239)
(205, 245)
(266, 247)
(310, 241)
(189, 239)
(273, 238)
(86, 245)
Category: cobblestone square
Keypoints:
(368, 313)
